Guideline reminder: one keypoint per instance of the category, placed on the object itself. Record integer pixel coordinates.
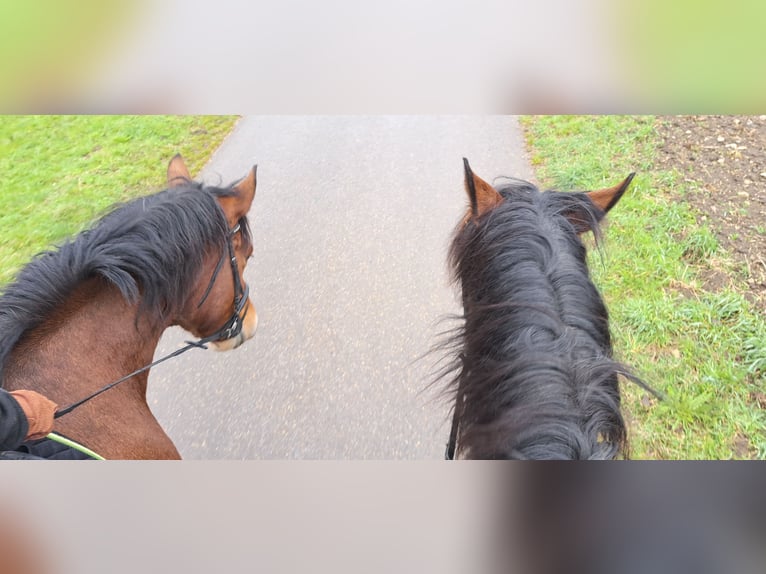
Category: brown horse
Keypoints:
(93, 310)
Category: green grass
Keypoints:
(704, 350)
(59, 173)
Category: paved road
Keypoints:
(351, 223)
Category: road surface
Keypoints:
(351, 223)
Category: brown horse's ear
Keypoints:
(606, 199)
(239, 204)
(482, 195)
(603, 199)
(178, 173)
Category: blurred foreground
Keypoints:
(382, 517)
(338, 56)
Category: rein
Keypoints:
(450, 450)
(230, 329)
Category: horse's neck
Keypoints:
(91, 340)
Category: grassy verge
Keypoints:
(705, 350)
(59, 173)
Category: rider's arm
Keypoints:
(13, 422)
(24, 415)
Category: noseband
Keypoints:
(229, 330)
(233, 326)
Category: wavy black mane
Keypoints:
(150, 248)
(533, 355)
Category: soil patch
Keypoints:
(723, 160)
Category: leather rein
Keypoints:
(229, 330)
(451, 448)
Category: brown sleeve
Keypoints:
(13, 422)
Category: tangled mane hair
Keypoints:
(532, 368)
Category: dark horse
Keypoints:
(93, 310)
(533, 376)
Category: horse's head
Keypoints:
(220, 308)
(584, 212)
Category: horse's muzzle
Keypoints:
(249, 327)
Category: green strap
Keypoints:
(75, 445)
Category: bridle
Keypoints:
(229, 330)
(450, 450)
(233, 326)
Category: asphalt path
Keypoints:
(351, 223)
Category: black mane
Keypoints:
(533, 361)
(150, 248)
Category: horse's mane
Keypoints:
(150, 248)
(533, 353)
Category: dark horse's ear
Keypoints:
(237, 205)
(178, 173)
(482, 195)
(603, 199)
